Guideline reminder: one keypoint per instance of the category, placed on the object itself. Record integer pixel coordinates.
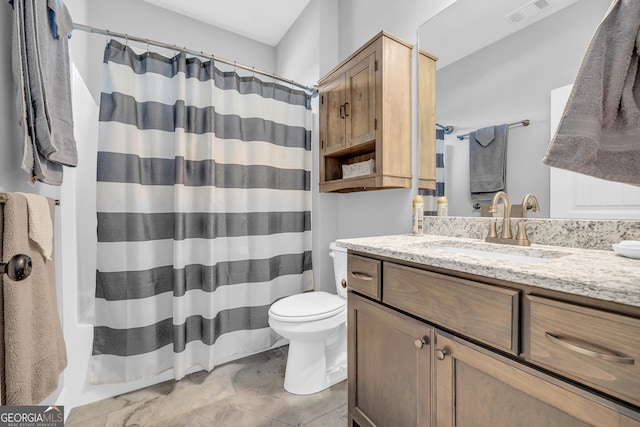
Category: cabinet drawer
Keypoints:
(598, 348)
(364, 275)
(483, 312)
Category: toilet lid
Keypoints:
(307, 306)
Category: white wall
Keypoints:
(508, 81)
(308, 50)
(359, 20)
(142, 19)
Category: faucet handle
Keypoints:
(493, 232)
(521, 236)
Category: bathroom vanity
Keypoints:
(448, 331)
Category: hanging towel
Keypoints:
(34, 349)
(599, 132)
(40, 225)
(487, 161)
(59, 19)
(43, 87)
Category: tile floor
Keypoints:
(244, 393)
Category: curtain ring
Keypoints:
(148, 49)
(126, 40)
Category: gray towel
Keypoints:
(43, 87)
(487, 161)
(599, 133)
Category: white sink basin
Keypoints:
(531, 259)
(494, 251)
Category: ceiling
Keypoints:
(476, 24)
(260, 20)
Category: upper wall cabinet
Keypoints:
(426, 121)
(365, 116)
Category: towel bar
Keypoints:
(5, 199)
(447, 129)
(18, 268)
(525, 122)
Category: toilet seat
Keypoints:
(307, 307)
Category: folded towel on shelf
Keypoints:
(34, 348)
(40, 224)
(487, 161)
(43, 87)
(599, 132)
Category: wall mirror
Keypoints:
(498, 63)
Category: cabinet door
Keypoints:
(426, 121)
(360, 105)
(475, 387)
(389, 367)
(332, 120)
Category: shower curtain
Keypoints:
(203, 204)
(430, 197)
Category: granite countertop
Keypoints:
(593, 273)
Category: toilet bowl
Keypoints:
(315, 323)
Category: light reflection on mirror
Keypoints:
(491, 72)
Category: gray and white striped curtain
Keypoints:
(204, 213)
(430, 197)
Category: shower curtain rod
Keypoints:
(311, 90)
(524, 122)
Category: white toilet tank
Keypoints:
(339, 256)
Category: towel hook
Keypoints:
(18, 268)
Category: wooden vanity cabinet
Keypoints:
(478, 387)
(487, 313)
(423, 351)
(365, 114)
(389, 360)
(365, 276)
(593, 346)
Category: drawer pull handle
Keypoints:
(573, 346)
(421, 342)
(441, 354)
(361, 276)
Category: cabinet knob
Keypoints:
(344, 283)
(441, 354)
(421, 342)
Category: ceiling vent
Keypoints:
(526, 11)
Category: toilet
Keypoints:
(315, 323)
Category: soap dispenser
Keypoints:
(418, 216)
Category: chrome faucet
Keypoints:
(535, 207)
(506, 220)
